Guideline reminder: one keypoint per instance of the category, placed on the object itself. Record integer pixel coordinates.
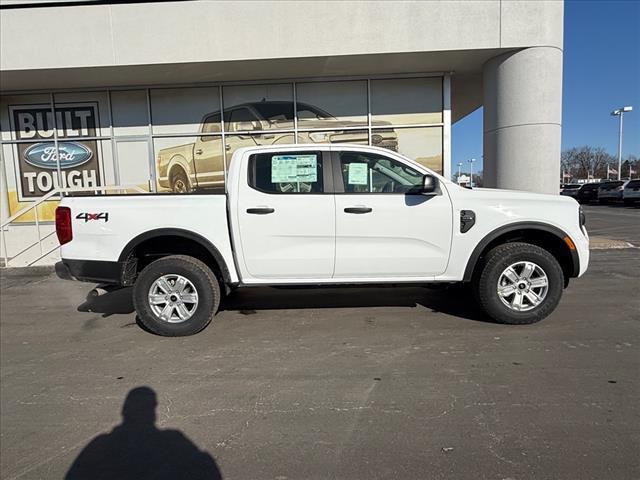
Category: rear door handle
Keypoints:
(199, 151)
(358, 210)
(260, 211)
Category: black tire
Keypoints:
(628, 202)
(201, 277)
(496, 262)
(180, 182)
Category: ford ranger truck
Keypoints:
(322, 215)
(200, 165)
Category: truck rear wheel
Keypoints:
(176, 295)
(519, 284)
(180, 182)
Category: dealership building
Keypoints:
(156, 96)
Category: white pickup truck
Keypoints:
(323, 215)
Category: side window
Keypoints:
(211, 124)
(241, 119)
(296, 172)
(372, 173)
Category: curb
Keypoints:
(27, 271)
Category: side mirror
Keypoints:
(429, 185)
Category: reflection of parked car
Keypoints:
(631, 192)
(587, 193)
(201, 164)
(611, 191)
(570, 189)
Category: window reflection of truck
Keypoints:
(200, 165)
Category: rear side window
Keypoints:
(293, 172)
(633, 184)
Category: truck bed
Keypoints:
(125, 217)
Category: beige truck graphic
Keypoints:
(200, 165)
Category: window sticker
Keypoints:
(358, 174)
(294, 168)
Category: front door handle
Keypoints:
(358, 210)
(260, 211)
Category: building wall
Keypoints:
(214, 31)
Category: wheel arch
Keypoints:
(148, 246)
(544, 235)
(176, 164)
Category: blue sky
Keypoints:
(601, 73)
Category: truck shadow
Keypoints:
(108, 301)
(455, 300)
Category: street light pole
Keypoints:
(620, 113)
(471, 172)
(459, 171)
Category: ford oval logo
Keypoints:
(43, 155)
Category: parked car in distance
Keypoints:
(611, 191)
(324, 214)
(570, 189)
(631, 192)
(588, 192)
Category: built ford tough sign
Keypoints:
(324, 215)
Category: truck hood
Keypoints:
(498, 193)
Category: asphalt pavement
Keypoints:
(353, 383)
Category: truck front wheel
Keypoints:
(519, 284)
(176, 295)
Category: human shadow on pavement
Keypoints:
(137, 449)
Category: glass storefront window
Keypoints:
(79, 114)
(182, 110)
(332, 104)
(187, 130)
(406, 101)
(185, 164)
(424, 145)
(130, 113)
(10, 124)
(258, 107)
(132, 163)
(357, 137)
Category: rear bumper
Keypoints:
(94, 271)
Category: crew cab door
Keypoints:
(286, 221)
(384, 228)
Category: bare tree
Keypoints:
(586, 162)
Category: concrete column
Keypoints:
(522, 120)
